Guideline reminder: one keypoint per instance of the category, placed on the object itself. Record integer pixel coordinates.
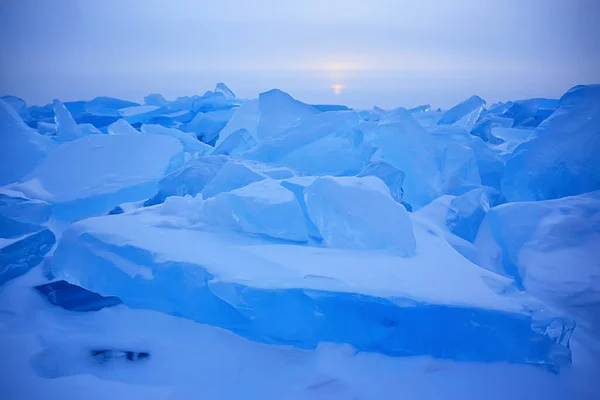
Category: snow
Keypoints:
(175, 276)
(188, 358)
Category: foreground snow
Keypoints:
(46, 353)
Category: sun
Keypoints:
(337, 88)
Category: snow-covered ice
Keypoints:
(225, 247)
(92, 175)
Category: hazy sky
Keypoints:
(384, 52)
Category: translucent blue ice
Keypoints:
(222, 88)
(465, 114)
(323, 144)
(19, 257)
(409, 148)
(94, 174)
(466, 212)
(550, 248)
(236, 143)
(359, 213)
(188, 141)
(21, 148)
(391, 176)
(20, 215)
(562, 160)
(155, 99)
(436, 303)
(206, 126)
(188, 179)
(279, 111)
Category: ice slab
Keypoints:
(211, 101)
(74, 298)
(20, 215)
(188, 179)
(188, 141)
(243, 117)
(92, 175)
(21, 147)
(66, 127)
(122, 127)
(465, 114)
(206, 126)
(466, 212)
(436, 303)
(484, 128)
(155, 99)
(531, 112)
(20, 256)
(279, 111)
(562, 160)
(140, 114)
(330, 107)
(359, 213)
(263, 208)
(323, 144)
(42, 113)
(107, 106)
(232, 175)
(550, 248)
(459, 168)
(297, 185)
(235, 144)
(46, 128)
(390, 175)
(19, 106)
(410, 148)
(222, 88)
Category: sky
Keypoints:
(356, 52)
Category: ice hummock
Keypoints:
(299, 295)
(554, 164)
(359, 213)
(121, 127)
(302, 236)
(279, 111)
(550, 248)
(464, 114)
(323, 144)
(21, 147)
(222, 88)
(92, 175)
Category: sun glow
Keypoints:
(337, 88)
